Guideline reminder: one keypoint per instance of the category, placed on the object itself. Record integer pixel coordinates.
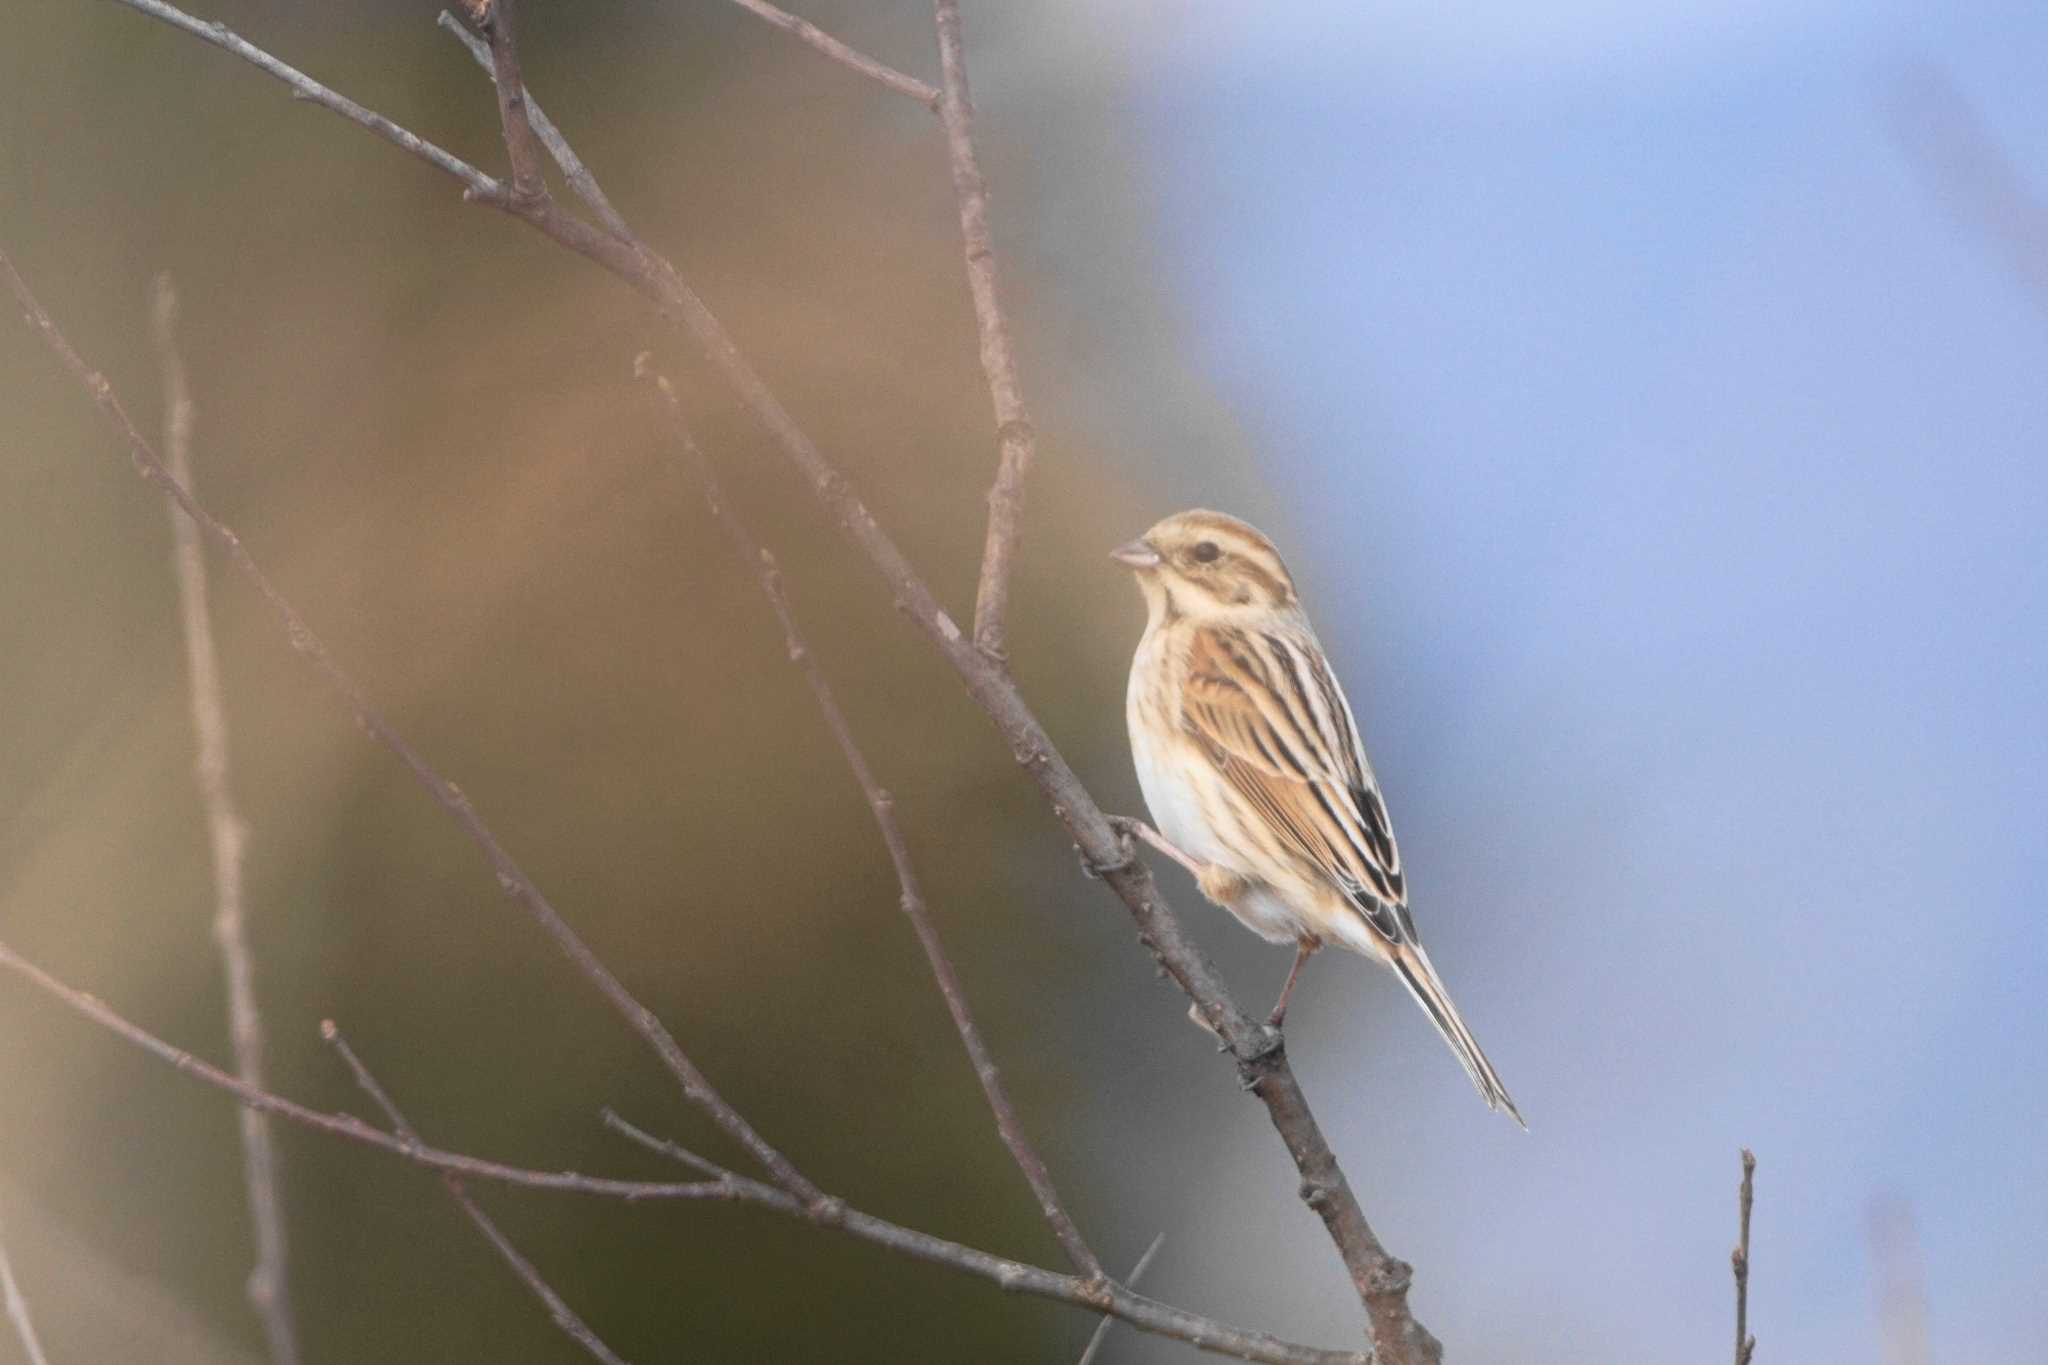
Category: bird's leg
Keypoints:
(1303, 951)
(1127, 826)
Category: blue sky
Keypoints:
(1663, 451)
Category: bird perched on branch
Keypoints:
(1252, 765)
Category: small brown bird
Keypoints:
(1252, 765)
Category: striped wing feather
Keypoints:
(1266, 709)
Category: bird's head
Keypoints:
(1200, 563)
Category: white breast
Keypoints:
(1164, 773)
(1172, 774)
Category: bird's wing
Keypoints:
(1266, 710)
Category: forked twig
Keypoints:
(1122, 1302)
(1102, 1328)
(268, 1284)
(696, 1087)
(345, 1125)
(529, 1274)
(728, 1187)
(765, 570)
(573, 170)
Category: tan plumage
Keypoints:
(1253, 768)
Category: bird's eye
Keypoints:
(1207, 552)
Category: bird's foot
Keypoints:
(1127, 850)
(1264, 1041)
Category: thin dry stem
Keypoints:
(765, 570)
(1380, 1279)
(1148, 1314)
(529, 1274)
(611, 1119)
(522, 147)
(17, 1308)
(344, 1125)
(573, 170)
(1745, 1344)
(269, 1283)
(1119, 1300)
(696, 1087)
(1101, 1334)
(808, 33)
(304, 87)
(1016, 441)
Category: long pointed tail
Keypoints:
(1428, 989)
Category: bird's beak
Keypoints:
(1139, 554)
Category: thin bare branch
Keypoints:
(765, 570)
(269, 1284)
(304, 87)
(1148, 1314)
(522, 147)
(674, 1151)
(660, 1146)
(529, 1274)
(17, 1308)
(1121, 1302)
(573, 170)
(1381, 1280)
(1102, 1328)
(696, 1087)
(346, 1125)
(1745, 1344)
(804, 31)
(1016, 440)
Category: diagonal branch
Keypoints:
(696, 1087)
(1122, 1303)
(1016, 441)
(304, 87)
(521, 146)
(1380, 1279)
(1094, 1347)
(529, 1274)
(806, 32)
(573, 170)
(344, 1125)
(727, 1187)
(882, 805)
(268, 1284)
(17, 1309)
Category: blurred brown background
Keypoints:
(421, 417)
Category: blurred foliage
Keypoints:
(421, 416)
